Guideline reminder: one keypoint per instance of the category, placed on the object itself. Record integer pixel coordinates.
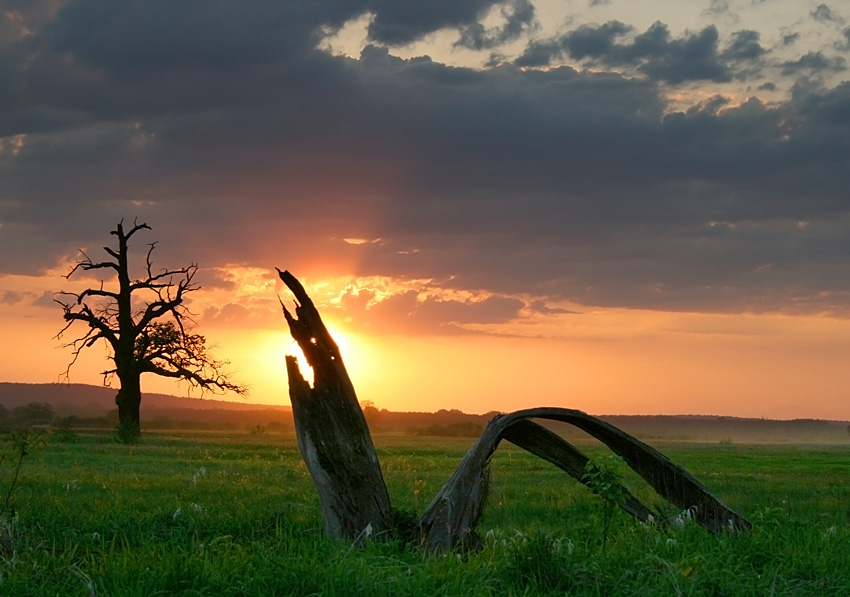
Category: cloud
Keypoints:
(717, 8)
(400, 23)
(813, 63)
(744, 46)
(519, 18)
(542, 308)
(28, 298)
(425, 309)
(790, 38)
(11, 297)
(607, 165)
(654, 53)
(822, 12)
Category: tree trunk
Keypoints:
(129, 400)
(331, 430)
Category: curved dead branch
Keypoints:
(451, 518)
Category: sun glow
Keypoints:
(353, 349)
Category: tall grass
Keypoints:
(238, 515)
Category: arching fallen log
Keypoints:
(335, 443)
(451, 518)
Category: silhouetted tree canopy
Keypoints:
(144, 323)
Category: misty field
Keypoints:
(200, 514)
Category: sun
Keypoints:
(257, 357)
(350, 349)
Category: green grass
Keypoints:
(212, 514)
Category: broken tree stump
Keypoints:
(331, 430)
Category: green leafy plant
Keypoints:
(22, 441)
(604, 478)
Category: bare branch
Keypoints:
(136, 227)
(209, 381)
(87, 264)
(96, 292)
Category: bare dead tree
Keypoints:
(336, 445)
(145, 324)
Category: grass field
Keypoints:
(237, 515)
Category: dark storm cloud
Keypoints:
(398, 23)
(745, 46)
(655, 53)
(813, 63)
(242, 143)
(519, 18)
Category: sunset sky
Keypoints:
(610, 205)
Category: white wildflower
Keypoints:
(684, 517)
(176, 514)
(199, 474)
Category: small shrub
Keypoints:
(604, 478)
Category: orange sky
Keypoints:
(603, 361)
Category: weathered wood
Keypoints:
(451, 518)
(331, 430)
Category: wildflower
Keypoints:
(684, 517)
(199, 474)
(197, 508)
(520, 537)
(563, 543)
(176, 514)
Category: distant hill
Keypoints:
(91, 401)
(163, 411)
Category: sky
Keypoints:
(625, 207)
